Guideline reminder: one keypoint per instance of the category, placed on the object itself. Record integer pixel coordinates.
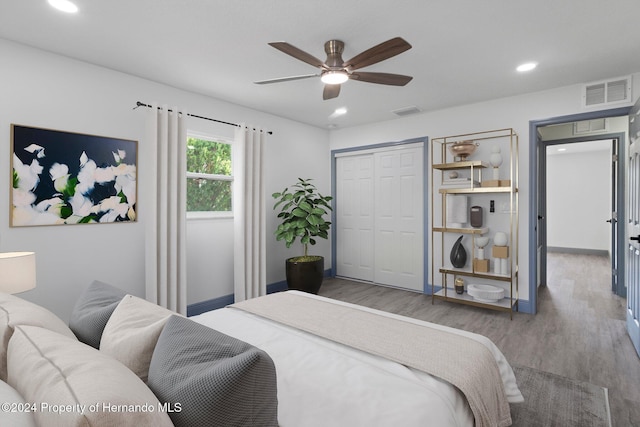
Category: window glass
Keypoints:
(209, 175)
(208, 156)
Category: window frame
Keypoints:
(200, 215)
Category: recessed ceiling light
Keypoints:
(341, 111)
(64, 5)
(527, 66)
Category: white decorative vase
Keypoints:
(503, 266)
(457, 210)
(481, 242)
(496, 161)
(500, 239)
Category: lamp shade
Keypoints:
(17, 272)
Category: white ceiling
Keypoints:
(464, 51)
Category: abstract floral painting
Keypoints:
(71, 178)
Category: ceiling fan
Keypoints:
(335, 70)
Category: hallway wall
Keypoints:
(579, 199)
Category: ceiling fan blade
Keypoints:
(384, 50)
(330, 91)
(286, 79)
(297, 53)
(381, 78)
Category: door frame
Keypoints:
(618, 239)
(534, 190)
(425, 218)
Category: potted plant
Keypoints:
(302, 211)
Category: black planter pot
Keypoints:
(305, 275)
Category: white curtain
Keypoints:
(249, 256)
(166, 274)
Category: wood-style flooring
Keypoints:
(579, 331)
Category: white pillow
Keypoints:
(16, 311)
(57, 373)
(17, 414)
(132, 332)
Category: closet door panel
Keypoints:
(354, 217)
(398, 221)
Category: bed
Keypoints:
(322, 382)
(289, 359)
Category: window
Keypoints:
(209, 176)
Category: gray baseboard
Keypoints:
(577, 251)
(223, 301)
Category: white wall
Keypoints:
(513, 112)
(45, 90)
(40, 89)
(579, 200)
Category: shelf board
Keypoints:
(469, 273)
(482, 230)
(504, 304)
(469, 190)
(461, 165)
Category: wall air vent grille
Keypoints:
(590, 126)
(617, 90)
(612, 91)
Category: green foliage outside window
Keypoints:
(208, 193)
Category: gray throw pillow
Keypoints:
(93, 310)
(208, 378)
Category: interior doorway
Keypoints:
(537, 181)
(581, 187)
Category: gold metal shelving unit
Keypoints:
(443, 162)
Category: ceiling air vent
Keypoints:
(606, 92)
(406, 111)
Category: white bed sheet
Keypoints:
(322, 383)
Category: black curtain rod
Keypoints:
(141, 104)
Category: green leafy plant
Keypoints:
(302, 210)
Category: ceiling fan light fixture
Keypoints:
(334, 77)
(335, 71)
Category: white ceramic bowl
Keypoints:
(485, 293)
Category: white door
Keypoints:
(616, 286)
(354, 217)
(541, 227)
(379, 218)
(633, 228)
(399, 218)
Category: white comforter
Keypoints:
(322, 383)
